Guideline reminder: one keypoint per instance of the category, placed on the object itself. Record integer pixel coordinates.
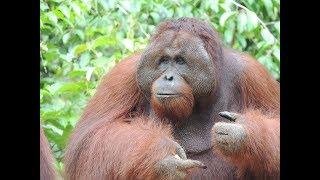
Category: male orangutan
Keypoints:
(186, 107)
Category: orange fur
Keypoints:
(177, 108)
(121, 150)
(261, 110)
(118, 93)
(47, 170)
(261, 152)
(259, 90)
(109, 142)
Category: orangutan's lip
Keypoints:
(166, 95)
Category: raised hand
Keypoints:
(229, 137)
(250, 141)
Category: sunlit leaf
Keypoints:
(103, 41)
(266, 61)
(264, 47)
(76, 8)
(52, 54)
(252, 20)
(276, 53)
(242, 41)
(66, 38)
(70, 87)
(228, 35)
(267, 36)
(80, 49)
(128, 44)
(65, 10)
(52, 17)
(65, 135)
(76, 73)
(43, 6)
(225, 16)
(80, 34)
(268, 5)
(214, 5)
(84, 59)
(89, 73)
(101, 61)
(54, 129)
(242, 21)
(251, 1)
(155, 17)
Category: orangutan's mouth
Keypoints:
(167, 95)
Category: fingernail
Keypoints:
(203, 166)
(228, 115)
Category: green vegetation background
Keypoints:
(82, 39)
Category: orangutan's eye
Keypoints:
(164, 60)
(180, 60)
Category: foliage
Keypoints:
(82, 39)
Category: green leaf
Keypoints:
(89, 73)
(250, 1)
(252, 20)
(80, 34)
(68, 57)
(51, 55)
(76, 8)
(43, 6)
(128, 44)
(66, 38)
(105, 4)
(58, 14)
(228, 35)
(214, 5)
(54, 129)
(242, 41)
(70, 87)
(269, 6)
(65, 135)
(276, 53)
(54, 87)
(225, 16)
(264, 47)
(266, 61)
(52, 17)
(65, 11)
(84, 59)
(155, 17)
(80, 49)
(103, 41)
(242, 21)
(267, 36)
(76, 73)
(54, 121)
(277, 26)
(101, 61)
(46, 116)
(45, 94)
(226, 5)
